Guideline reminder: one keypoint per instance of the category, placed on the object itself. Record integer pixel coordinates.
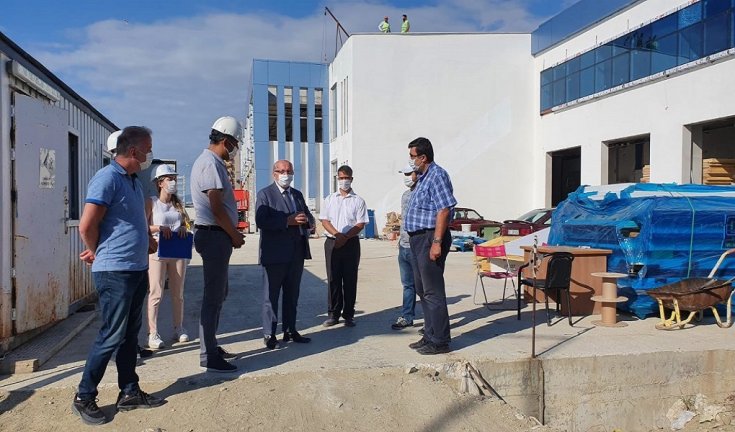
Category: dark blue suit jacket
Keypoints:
(278, 241)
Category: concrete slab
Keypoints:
(487, 338)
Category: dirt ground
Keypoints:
(348, 400)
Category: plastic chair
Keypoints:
(558, 277)
(507, 273)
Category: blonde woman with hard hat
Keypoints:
(167, 217)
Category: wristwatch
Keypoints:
(436, 240)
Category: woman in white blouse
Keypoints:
(166, 217)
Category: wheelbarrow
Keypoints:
(694, 295)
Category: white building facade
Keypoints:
(659, 93)
(470, 94)
(625, 91)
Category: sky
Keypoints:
(177, 65)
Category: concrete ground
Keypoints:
(478, 334)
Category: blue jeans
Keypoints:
(121, 297)
(406, 262)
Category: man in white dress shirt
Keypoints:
(343, 216)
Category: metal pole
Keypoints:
(534, 255)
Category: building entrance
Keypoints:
(565, 173)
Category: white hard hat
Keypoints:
(163, 170)
(229, 126)
(112, 141)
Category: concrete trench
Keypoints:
(630, 392)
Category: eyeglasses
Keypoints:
(283, 171)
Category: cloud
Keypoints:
(178, 75)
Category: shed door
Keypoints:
(40, 242)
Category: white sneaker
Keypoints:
(182, 335)
(154, 341)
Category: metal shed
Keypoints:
(52, 141)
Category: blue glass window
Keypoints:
(621, 69)
(703, 28)
(621, 45)
(560, 71)
(573, 86)
(559, 92)
(717, 34)
(573, 65)
(603, 52)
(665, 26)
(588, 59)
(546, 101)
(587, 82)
(691, 43)
(715, 7)
(665, 54)
(690, 15)
(640, 64)
(547, 76)
(603, 75)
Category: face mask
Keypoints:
(284, 180)
(171, 187)
(232, 153)
(408, 181)
(148, 160)
(345, 184)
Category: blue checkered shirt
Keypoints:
(433, 193)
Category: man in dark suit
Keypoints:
(284, 222)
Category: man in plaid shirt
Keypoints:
(427, 223)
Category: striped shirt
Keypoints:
(434, 192)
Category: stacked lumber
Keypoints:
(392, 226)
(718, 171)
(646, 174)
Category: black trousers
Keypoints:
(429, 280)
(286, 277)
(342, 266)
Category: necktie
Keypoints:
(291, 202)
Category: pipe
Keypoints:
(6, 213)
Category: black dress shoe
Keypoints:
(225, 354)
(271, 342)
(296, 337)
(349, 322)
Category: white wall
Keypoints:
(470, 94)
(660, 108)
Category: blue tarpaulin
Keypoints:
(659, 233)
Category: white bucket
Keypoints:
(466, 227)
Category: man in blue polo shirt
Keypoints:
(427, 223)
(115, 231)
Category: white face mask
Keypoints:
(408, 181)
(171, 187)
(345, 184)
(412, 163)
(284, 180)
(148, 160)
(232, 153)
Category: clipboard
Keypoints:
(175, 247)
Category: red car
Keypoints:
(463, 215)
(526, 224)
